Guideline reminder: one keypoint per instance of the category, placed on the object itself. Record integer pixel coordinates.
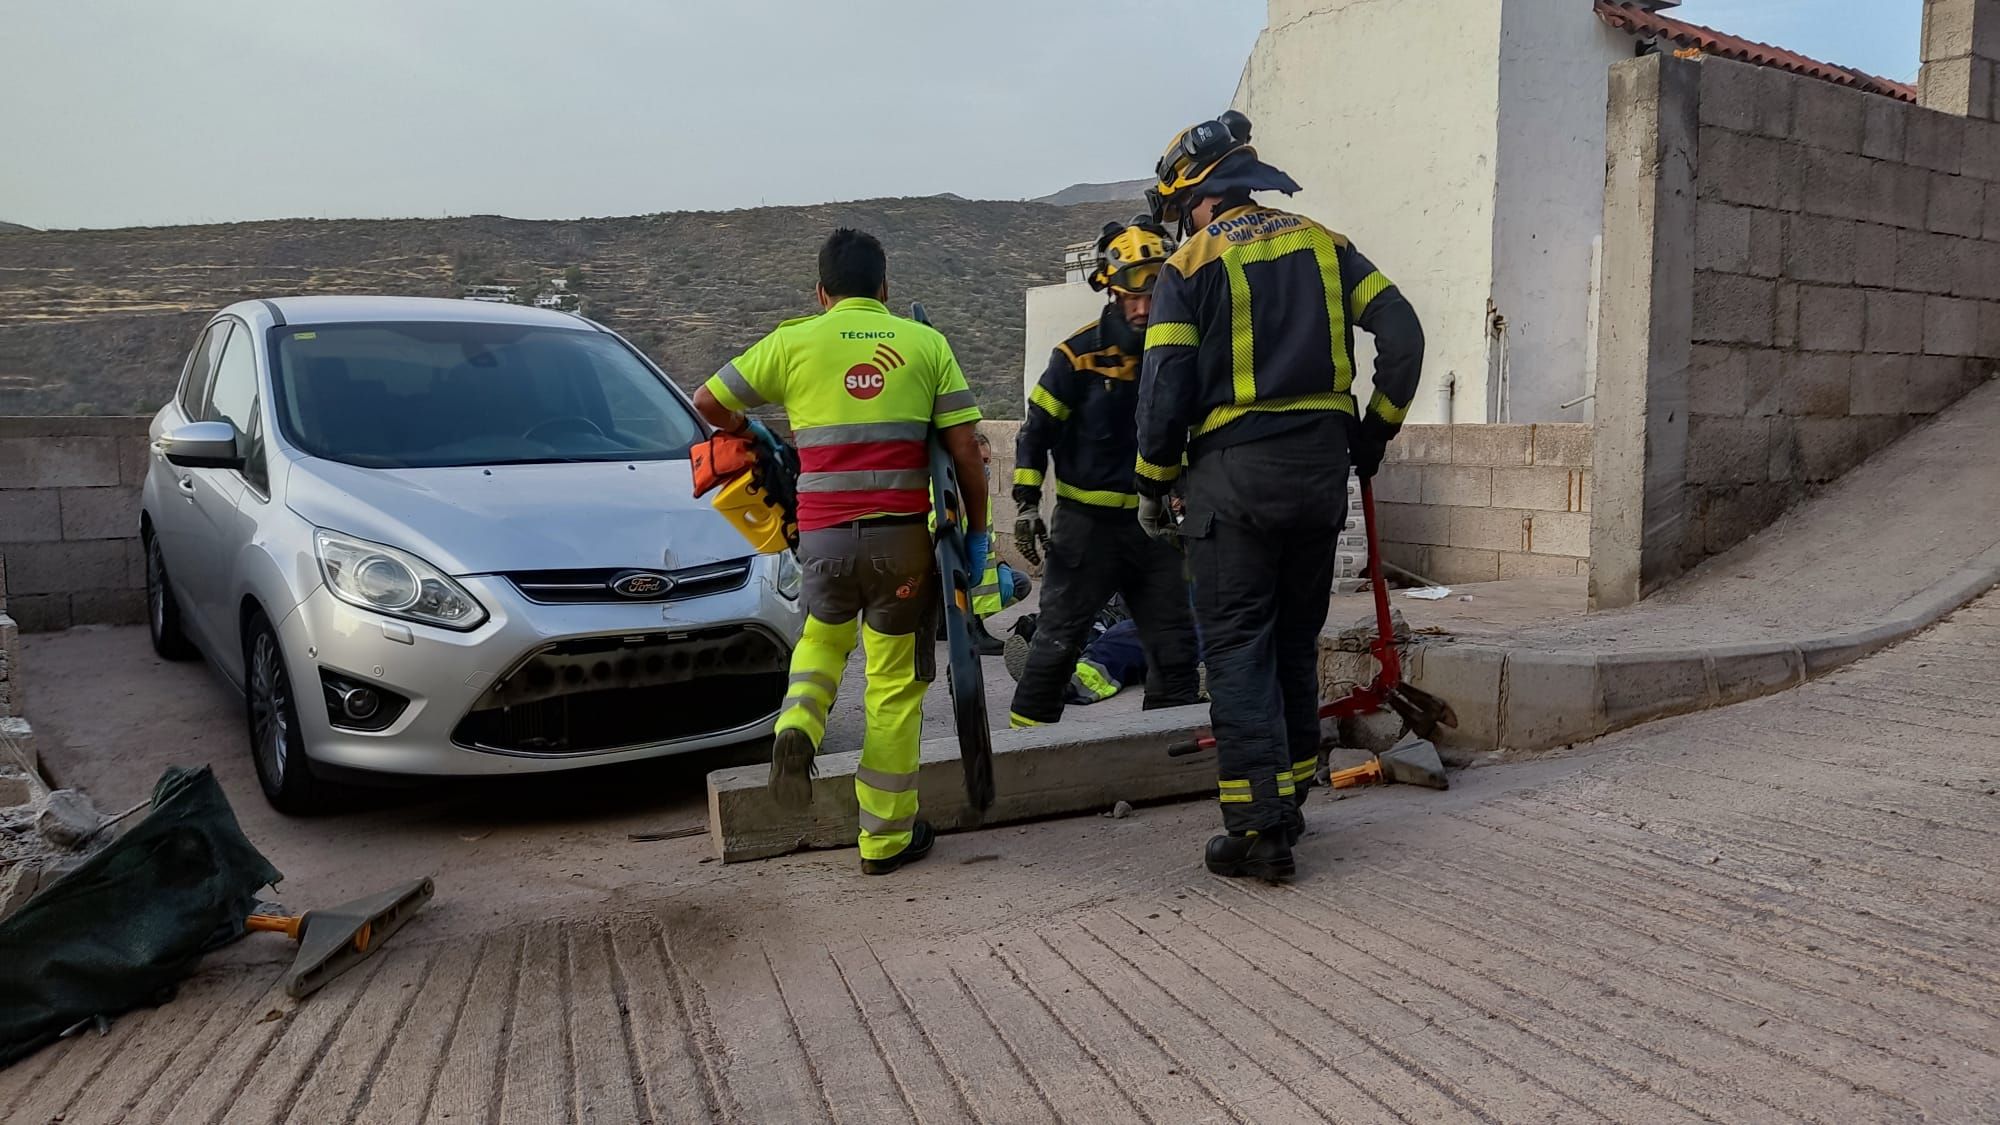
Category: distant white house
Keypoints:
(491, 294)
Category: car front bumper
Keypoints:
(444, 674)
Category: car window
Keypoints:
(201, 365)
(233, 398)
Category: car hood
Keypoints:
(488, 520)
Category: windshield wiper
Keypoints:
(541, 461)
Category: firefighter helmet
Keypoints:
(1129, 256)
(1193, 154)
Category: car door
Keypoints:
(218, 494)
(177, 524)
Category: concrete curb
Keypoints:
(1528, 699)
(1038, 772)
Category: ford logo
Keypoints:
(641, 584)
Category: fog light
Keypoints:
(353, 705)
(360, 704)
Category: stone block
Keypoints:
(1935, 141)
(1819, 249)
(1895, 322)
(1808, 384)
(39, 613)
(1880, 385)
(108, 607)
(1468, 677)
(1421, 445)
(30, 515)
(1492, 445)
(1882, 128)
(1938, 381)
(135, 457)
(1899, 195)
(100, 513)
(1542, 489)
(1785, 316)
(1992, 232)
(1463, 564)
(1829, 447)
(1733, 309)
(58, 462)
(1733, 515)
(1490, 529)
(1840, 185)
(1925, 262)
(1829, 116)
(1767, 243)
(1727, 450)
(1515, 565)
(1567, 444)
(1752, 171)
(1745, 98)
(1399, 483)
(1830, 319)
(1722, 237)
(1875, 256)
(1549, 699)
(1951, 326)
(1468, 486)
(1749, 671)
(16, 788)
(1558, 533)
(1989, 329)
(1982, 149)
(53, 568)
(1782, 441)
(1718, 378)
(1638, 687)
(1979, 275)
(1950, 29)
(1414, 523)
(1957, 205)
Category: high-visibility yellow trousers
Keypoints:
(817, 665)
(986, 595)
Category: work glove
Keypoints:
(1030, 533)
(1156, 519)
(1367, 443)
(978, 548)
(762, 435)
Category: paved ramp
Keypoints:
(1783, 911)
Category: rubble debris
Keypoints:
(68, 819)
(1119, 811)
(1360, 635)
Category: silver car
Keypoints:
(445, 537)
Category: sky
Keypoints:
(152, 112)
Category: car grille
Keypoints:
(582, 587)
(596, 694)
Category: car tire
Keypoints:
(271, 719)
(163, 610)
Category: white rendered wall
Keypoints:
(1554, 59)
(1054, 312)
(1386, 113)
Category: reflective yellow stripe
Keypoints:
(1286, 788)
(1223, 415)
(1243, 344)
(1101, 498)
(1234, 798)
(1161, 473)
(1049, 403)
(1172, 334)
(1029, 477)
(1017, 720)
(1233, 783)
(1242, 341)
(1365, 293)
(1303, 771)
(1389, 412)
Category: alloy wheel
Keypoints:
(270, 708)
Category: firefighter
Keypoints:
(1248, 383)
(862, 389)
(1081, 412)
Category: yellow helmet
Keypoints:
(1193, 154)
(1129, 256)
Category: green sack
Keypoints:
(123, 929)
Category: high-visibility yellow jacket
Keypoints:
(862, 388)
(1252, 333)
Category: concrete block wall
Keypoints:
(1476, 503)
(69, 520)
(1796, 274)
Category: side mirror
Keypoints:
(202, 445)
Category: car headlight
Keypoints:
(394, 582)
(790, 577)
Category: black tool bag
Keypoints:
(123, 929)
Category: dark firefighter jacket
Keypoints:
(1252, 333)
(1083, 412)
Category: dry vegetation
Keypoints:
(96, 322)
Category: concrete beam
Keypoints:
(1039, 772)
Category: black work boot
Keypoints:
(921, 839)
(792, 770)
(1266, 857)
(983, 642)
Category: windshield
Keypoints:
(400, 396)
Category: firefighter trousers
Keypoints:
(1262, 524)
(1092, 556)
(875, 583)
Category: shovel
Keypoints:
(336, 939)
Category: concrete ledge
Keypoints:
(1510, 698)
(1038, 772)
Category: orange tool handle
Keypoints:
(276, 924)
(1367, 773)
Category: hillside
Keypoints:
(1131, 193)
(97, 322)
(9, 227)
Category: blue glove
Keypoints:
(978, 548)
(762, 435)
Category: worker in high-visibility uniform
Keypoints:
(862, 388)
(1248, 375)
(1082, 413)
(994, 592)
